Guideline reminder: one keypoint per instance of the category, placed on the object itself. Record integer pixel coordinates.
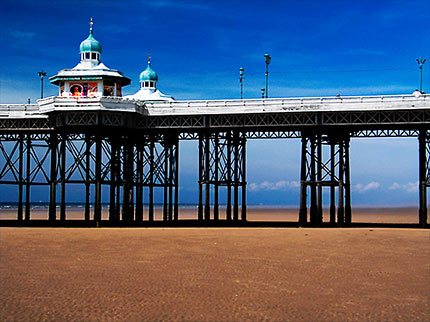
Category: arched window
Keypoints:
(87, 55)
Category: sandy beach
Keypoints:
(214, 274)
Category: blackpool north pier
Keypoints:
(91, 136)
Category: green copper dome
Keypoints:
(90, 44)
(148, 74)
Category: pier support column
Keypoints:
(216, 176)
(229, 178)
(98, 183)
(53, 179)
(20, 176)
(320, 165)
(176, 179)
(87, 176)
(313, 161)
(139, 182)
(348, 211)
(332, 183)
(201, 171)
(424, 175)
(244, 183)
(127, 201)
(63, 177)
(236, 176)
(303, 212)
(114, 181)
(28, 177)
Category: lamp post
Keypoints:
(241, 82)
(421, 62)
(262, 92)
(267, 58)
(41, 75)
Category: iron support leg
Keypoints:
(303, 212)
(423, 177)
(87, 176)
(229, 175)
(313, 210)
(201, 165)
(53, 180)
(340, 210)
(244, 176)
(171, 179)
(63, 177)
(127, 202)
(28, 178)
(236, 176)
(176, 181)
(151, 180)
(347, 185)
(216, 170)
(166, 179)
(319, 217)
(113, 182)
(207, 177)
(98, 186)
(332, 184)
(20, 176)
(139, 184)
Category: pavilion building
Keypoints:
(90, 78)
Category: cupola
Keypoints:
(90, 48)
(148, 78)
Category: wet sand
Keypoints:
(214, 274)
(254, 213)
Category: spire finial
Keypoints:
(149, 59)
(91, 25)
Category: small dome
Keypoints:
(148, 74)
(90, 44)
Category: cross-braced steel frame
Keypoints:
(125, 163)
(325, 168)
(222, 163)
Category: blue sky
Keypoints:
(318, 48)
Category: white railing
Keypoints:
(293, 101)
(18, 107)
(49, 104)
